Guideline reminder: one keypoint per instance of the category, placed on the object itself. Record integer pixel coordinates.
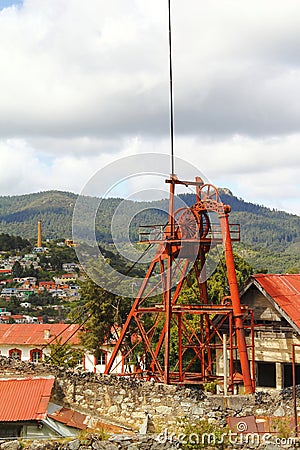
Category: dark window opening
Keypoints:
(15, 353)
(8, 430)
(266, 374)
(36, 355)
(288, 374)
(102, 358)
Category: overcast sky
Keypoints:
(85, 83)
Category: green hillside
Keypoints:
(270, 239)
(19, 214)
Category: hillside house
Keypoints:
(66, 278)
(8, 292)
(31, 342)
(69, 267)
(5, 271)
(275, 300)
(47, 285)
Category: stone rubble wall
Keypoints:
(128, 402)
(116, 442)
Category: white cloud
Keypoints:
(82, 84)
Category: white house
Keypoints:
(31, 342)
(97, 364)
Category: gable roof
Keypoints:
(34, 333)
(24, 398)
(283, 291)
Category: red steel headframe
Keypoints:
(182, 247)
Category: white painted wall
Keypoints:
(89, 359)
(25, 349)
(91, 366)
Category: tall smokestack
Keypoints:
(39, 237)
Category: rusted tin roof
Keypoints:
(70, 418)
(37, 333)
(24, 398)
(284, 290)
(81, 421)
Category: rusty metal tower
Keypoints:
(159, 310)
(161, 315)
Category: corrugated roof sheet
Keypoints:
(34, 334)
(24, 398)
(70, 418)
(284, 290)
(81, 421)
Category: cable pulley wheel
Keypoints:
(191, 224)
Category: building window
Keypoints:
(102, 358)
(15, 353)
(36, 355)
(266, 374)
(288, 374)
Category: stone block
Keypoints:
(236, 402)
(89, 392)
(280, 412)
(138, 415)
(74, 445)
(11, 445)
(185, 404)
(113, 410)
(165, 410)
(98, 445)
(196, 411)
(118, 398)
(133, 447)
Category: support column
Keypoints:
(236, 305)
(279, 380)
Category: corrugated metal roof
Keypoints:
(24, 398)
(34, 334)
(81, 421)
(284, 289)
(70, 418)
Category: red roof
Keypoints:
(70, 418)
(284, 289)
(34, 333)
(24, 398)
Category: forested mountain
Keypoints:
(270, 239)
(19, 214)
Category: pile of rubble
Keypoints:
(93, 442)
